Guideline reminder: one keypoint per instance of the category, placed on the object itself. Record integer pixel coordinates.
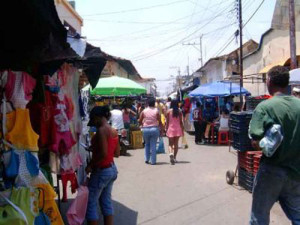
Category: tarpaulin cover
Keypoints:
(117, 86)
(93, 63)
(31, 33)
(218, 89)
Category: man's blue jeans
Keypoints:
(150, 135)
(273, 184)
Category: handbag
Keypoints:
(77, 210)
(161, 147)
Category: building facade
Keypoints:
(68, 16)
(273, 49)
(224, 67)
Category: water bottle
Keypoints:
(272, 140)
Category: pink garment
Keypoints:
(174, 129)
(62, 136)
(150, 117)
(126, 118)
(77, 210)
(18, 88)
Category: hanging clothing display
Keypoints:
(22, 135)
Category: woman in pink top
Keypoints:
(150, 121)
(174, 128)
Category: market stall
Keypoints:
(41, 123)
(122, 92)
(217, 96)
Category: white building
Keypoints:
(68, 16)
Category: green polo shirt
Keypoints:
(283, 110)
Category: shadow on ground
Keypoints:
(123, 214)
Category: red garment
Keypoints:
(55, 130)
(187, 105)
(65, 177)
(111, 146)
(197, 115)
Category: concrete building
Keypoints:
(273, 49)
(224, 67)
(149, 84)
(117, 66)
(68, 16)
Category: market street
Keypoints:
(194, 191)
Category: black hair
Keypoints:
(225, 111)
(151, 102)
(100, 111)
(279, 76)
(198, 104)
(169, 99)
(174, 106)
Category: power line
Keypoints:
(137, 9)
(145, 56)
(232, 39)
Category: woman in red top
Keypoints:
(105, 145)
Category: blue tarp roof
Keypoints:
(218, 89)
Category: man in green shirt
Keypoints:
(278, 178)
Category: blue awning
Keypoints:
(218, 89)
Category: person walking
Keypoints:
(116, 119)
(150, 122)
(105, 145)
(174, 128)
(198, 124)
(278, 177)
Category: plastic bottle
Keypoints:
(272, 140)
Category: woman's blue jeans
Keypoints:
(150, 135)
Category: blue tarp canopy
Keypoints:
(218, 89)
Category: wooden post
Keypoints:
(292, 34)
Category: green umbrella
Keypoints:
(117, 86)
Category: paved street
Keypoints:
(194, 191)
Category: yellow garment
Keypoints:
(10, 120)
(47, 200)
(163, 119)
(22, 136)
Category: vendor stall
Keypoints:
(124, 93)
(217, 96)
(41, 123)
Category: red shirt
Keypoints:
(111, 146)
(197, 114)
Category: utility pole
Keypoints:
(241, 50)
(292, 34)
(199, 49)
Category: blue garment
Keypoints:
(150, 135)
(32, 164)
(100, 188)
(272, 184)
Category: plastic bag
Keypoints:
(161, 147)
(272, 140)
(77, 210)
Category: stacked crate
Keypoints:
(253, 101)
(256, 161)
(247, 163)
(239, 125)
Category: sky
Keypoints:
(155, 34)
